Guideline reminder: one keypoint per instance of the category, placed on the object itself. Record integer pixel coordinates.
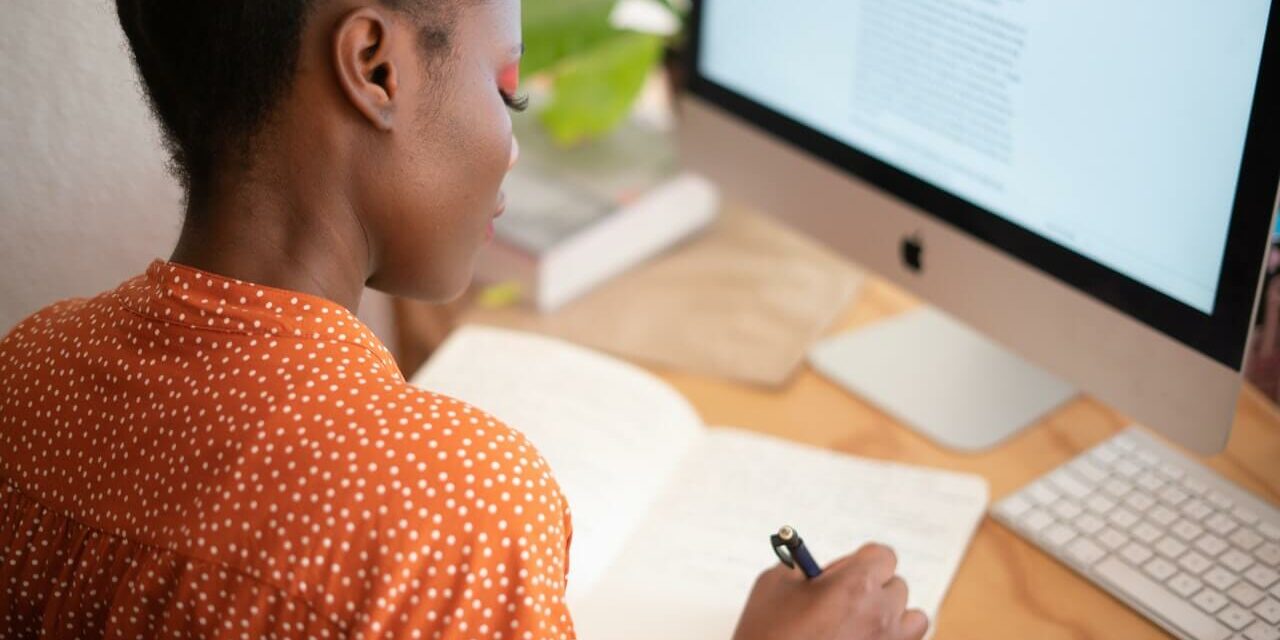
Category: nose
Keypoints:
(515, 153)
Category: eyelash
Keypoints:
(516, 103)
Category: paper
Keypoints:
(611, 432)
(671, 519)
(688, 568)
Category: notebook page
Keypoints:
(687, 570)
(611, 432)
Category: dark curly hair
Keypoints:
(213, 70)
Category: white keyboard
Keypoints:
(1193, 552)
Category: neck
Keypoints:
(306, 239)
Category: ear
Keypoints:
(366, 69)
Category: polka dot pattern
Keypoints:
(194, 456)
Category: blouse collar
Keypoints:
(185, 295)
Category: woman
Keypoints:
(218, 448)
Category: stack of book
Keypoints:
(577, 217)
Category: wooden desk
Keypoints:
(1006, 588)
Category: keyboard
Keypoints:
(1185, 547)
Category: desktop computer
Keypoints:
(1084, 191)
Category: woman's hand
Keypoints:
(858, 597)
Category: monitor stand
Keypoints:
(941, 378)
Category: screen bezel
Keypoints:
(1222, 335)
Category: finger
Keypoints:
(878, 560)
(896, 593)
(913, 625)
(776, 573)
(839, 564)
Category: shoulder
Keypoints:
(423, 500)
(445, 448)
(54, 334)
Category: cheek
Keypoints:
(457, 167)
(459, 159)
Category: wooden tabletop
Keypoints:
(1006, 588)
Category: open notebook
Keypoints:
(671, 518)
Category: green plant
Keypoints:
(595, 69)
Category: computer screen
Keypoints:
(1113, 129)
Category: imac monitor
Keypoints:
(1091, 184)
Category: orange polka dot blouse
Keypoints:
(194, 456)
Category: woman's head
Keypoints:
(393, 110)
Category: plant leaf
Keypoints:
(556, 29)
(594, 90)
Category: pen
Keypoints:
(792, 552)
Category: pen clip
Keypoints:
(782, 550)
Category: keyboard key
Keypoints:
(1212, 545)
(1122, 518)
(1220, 578)
(1196, 509)
(1171, 471)
(1138, 554)
(1187, 530)
(1210, 601)
(1170, 548)
(1139, 501)
(1261, 576)
(1221, 524)
(1085, 551)
(1149, 481)
(1124, 442)
(1269, 554)
(1220, 500)
(1089, 523)
(1172, 495)
(1195, 563)
(1260, 631)
(1236, 560)
(1146, 457)
(1058, 534)
(1269, 610)
(1269, 531)
(1035, 520)
(1194, 486)
(1040, 493)
(1066, 510)
(1244, 593)
(1126, 468)
(1160, 569)
(1245, 539)
(1013, 506)
(1116, 487)
(1146, 532)
(1088, 470)
(1099, 504)
(1235, 617)
(1068, 483)
(1162, 515)
(1112, 539)
(1104, 455)
(1245, 515)
(1177, 610)
(1185, 585)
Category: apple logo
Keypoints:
(913, 253)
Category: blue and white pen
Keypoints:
(792, 552)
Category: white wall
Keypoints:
(85, 199)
